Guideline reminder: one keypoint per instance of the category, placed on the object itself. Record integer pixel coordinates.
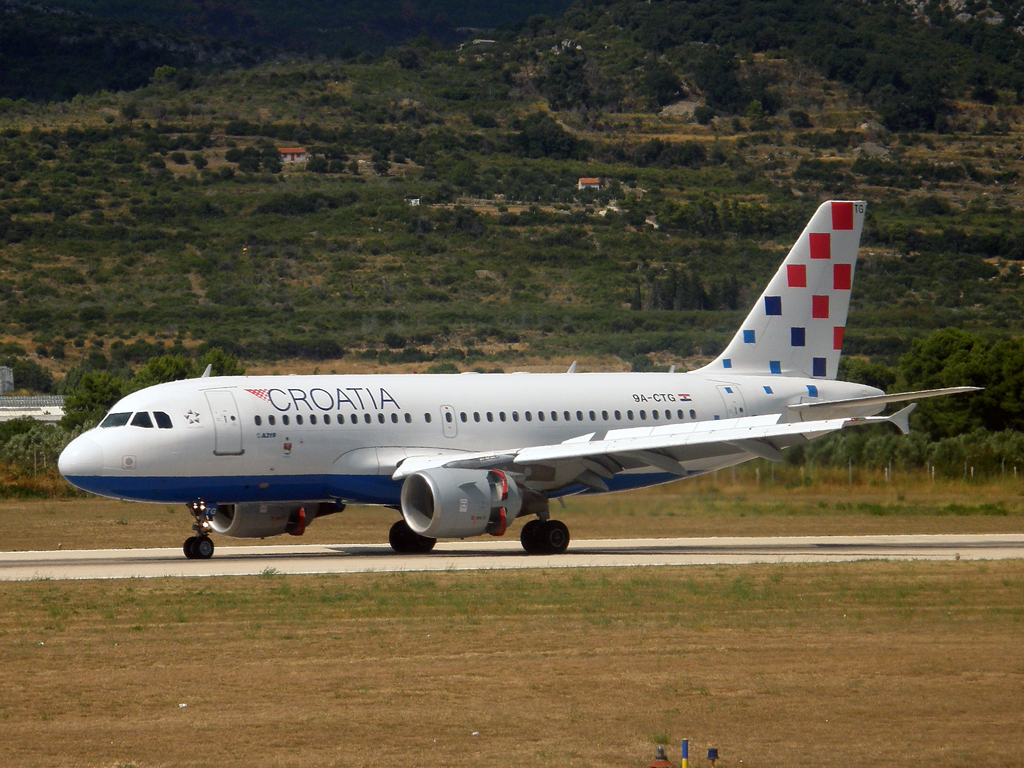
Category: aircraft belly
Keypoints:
(367, 489)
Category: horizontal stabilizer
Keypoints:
(861, 402)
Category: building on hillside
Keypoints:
(6, 380)
(48, 408)
(292, 155)
(589, 184)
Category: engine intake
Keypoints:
(457, 503)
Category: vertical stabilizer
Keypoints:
(796, 327)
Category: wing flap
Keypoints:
(735, 433)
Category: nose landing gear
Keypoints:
(200, 546)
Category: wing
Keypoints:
(676, 449)
(838, 407)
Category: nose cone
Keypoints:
(82, 458)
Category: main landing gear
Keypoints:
(544, 537)
(405, 541)
(200, 546)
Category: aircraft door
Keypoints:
(448, 421)
(735, 408)
(227, 426)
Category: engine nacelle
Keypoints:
(456, 503)
(255, 520)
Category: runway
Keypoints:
(481, 555)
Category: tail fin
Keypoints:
(796, 327)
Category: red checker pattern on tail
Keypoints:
(797, 275)
(842, 276)
(842, 216)
(819, 307)
(837, 337)
(821, 245)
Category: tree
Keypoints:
(85, 405)
(162, 369)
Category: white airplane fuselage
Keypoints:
(338, 437)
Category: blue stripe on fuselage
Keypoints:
(365, 489)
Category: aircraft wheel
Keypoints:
(423, 543)
(203, 548)
(529, 539)
(187, 547)
(405, 541)
(553, 537)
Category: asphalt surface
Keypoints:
(482, 555)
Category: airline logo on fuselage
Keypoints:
(321, 399)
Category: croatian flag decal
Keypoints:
(684, 398)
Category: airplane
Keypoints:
(466, 455)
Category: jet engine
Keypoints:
(256, 520)
(456, 503)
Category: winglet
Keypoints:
(572, 368)
(901, 419)
(207, 372)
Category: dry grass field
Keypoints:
(884, 664)
(707, 506)
(857, 664)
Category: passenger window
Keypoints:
(679, 415)
(490, 416)
(116, 420)
(298, 419)
(618, 415)
(567, 416)
(380, 417)
(643, 415)
(448, 418)
(476, 417)
(259, 421)
(366, 418)
(693, 414)
(312, 418)
(272, 420)
(604, 415)
(515, 415)
(501, 415)
(554, 415)
(327, 418)
(629, 415)
(426, 417)
(354, 418)
(540, 415)
(142, 420)
(284, 420)
(579, 415)
(593, 416)
(668, 414)
(408, 418)
(529, 416)
(654, 415)
(394, 418)
(164, 421)
(463, 417)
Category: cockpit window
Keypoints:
(162, 420)
(142, 420)
(116, 419)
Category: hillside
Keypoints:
(136, 222)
